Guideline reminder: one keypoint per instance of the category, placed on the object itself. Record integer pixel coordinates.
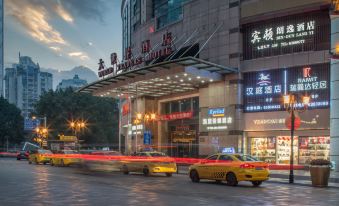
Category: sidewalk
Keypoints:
(301, 177)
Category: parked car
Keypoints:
(22, 155)
(65, 158)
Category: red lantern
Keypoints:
(297, 122)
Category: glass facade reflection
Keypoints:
(167, 11)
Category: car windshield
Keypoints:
(157, 154)
(247, 158)
(45, 152)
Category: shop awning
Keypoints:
(164, 78)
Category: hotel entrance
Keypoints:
(183, 140)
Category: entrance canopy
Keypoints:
(161, 79)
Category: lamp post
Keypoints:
(77, 126)
(142, 118)
(290, 103)
(42, 133)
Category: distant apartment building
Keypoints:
(1, 47)
(24, 83)
(74, 83)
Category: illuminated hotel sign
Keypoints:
(264, 90)
(282, 36)
(147, 56)
(216, 112)
(289, 34)
(216, 119)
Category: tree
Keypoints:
(100, 114)
(11, 123)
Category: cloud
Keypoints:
(81, 55)
(55, 48)
(34, 19)
(75, 54)
(87, 9)
(59, 9)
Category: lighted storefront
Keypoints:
(265, 125)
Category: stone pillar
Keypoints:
(334, 102)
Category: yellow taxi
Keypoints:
(40, 156)
(149, 163)
(231, 168)
(65, 158)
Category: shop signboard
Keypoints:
(68, 138)
(216, 119)
(176, 115)
(289, 34)
(264, 90)
(310, 119)
(147, 137)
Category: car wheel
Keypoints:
(62, 164)
(17, 158)
(36, 161)
(168, 174)
(231, 179)
(194, 176)
(145, 171)
(125, 170)
(29, 162)
(256, 183)
(218, 181)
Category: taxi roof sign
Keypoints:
(228, 150)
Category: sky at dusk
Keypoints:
(62, 34)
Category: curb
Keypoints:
(285, 177)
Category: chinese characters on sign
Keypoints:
(264, 90)
(176, 115)
(147, 56)
(283, 35)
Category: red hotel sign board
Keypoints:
(176, 115)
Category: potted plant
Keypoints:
(320, 172)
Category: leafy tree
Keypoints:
(62, 107)
(11, 123)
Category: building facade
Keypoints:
(24, 83)
(74, 83)
(215, 73)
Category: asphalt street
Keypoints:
(24, 184)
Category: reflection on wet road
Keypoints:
(24, 184)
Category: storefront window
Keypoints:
(195, 103)
(174, 106)
(278, 149)
(185, 105)
(284, 150)
(264, 149)
(166, 108)
(313, 148)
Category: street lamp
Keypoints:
(42, 133)
(142, 118)
(290, 104)
(77, 126)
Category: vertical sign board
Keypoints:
(289, 34)
(147, 137)
(264, 90)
